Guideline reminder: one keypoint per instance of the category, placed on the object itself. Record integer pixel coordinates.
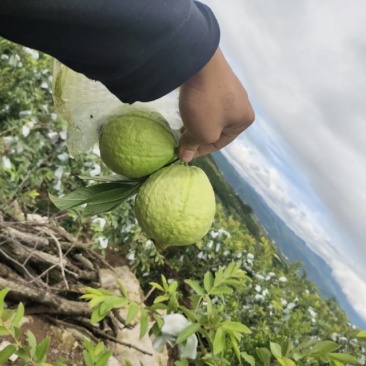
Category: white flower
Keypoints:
(214, 234)
(149, 244)
(103, 242)
(25, 131)
(63, 157)
(312, 312)
(131, 256)
(59, 172)
(210, 244)
(63, 135)
(250, 256)
(44, 85)
(173, 326)
(224, 232)
(25, 113)
(259, 297)
(53, 136)
(95, 150)
(100, 221)
(282, 279)
(33, 53)
(257, 288)
(6, 162)
(95, 171)
(265, 292)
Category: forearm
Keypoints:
(140, 50)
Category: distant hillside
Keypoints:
(291, 245)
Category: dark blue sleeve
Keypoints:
(139, 49)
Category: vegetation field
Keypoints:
(262, 310)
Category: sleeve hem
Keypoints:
(185, 53)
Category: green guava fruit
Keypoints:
(137, 143)
(176, 206)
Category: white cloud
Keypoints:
(303, 65)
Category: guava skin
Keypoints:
(137, 143)
(176, 206)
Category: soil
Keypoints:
(59, 348)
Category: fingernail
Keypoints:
(187, 155)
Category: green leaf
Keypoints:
(7, 314)
(276, 350)
(3, 330)
(285, 361)
(110, 197)
(157, 286)
(133, 309)
(361, 335)
(104, 195)
(235, 347)
(230, 326)
(88, 358)
(208, 281)
(3, 293)
(128, 362)
(79, 196)
(222, 290)
(97, 316)
(187, 332)
(96, 209)
(18, 315)
(98, 348)
(165, 283)
(324, 347)
(159, 320)
(122, 289)
(173, 287)
(183, 362)
(229, 270)
(264, 355)
(161, 298)
(303, 349)
(7, 352)
(195, 287)
(287, 348)
(32, 342)
(110, 178)
(335, 363)
(219, 275)
(144, 323)
(343, 357)
(188, 313)
(248, 358)
(219, 342)
(42, 349)
(103, 358)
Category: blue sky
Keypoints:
(303, 65)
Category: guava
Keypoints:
(176, 205)
(137, 142)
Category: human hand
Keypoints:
(215, 109)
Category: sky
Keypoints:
(303, 64)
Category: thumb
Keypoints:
(188, 146)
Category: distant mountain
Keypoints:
(291, 245)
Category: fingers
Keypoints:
(215, 109)
(188, 149)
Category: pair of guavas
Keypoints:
(176, 204)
